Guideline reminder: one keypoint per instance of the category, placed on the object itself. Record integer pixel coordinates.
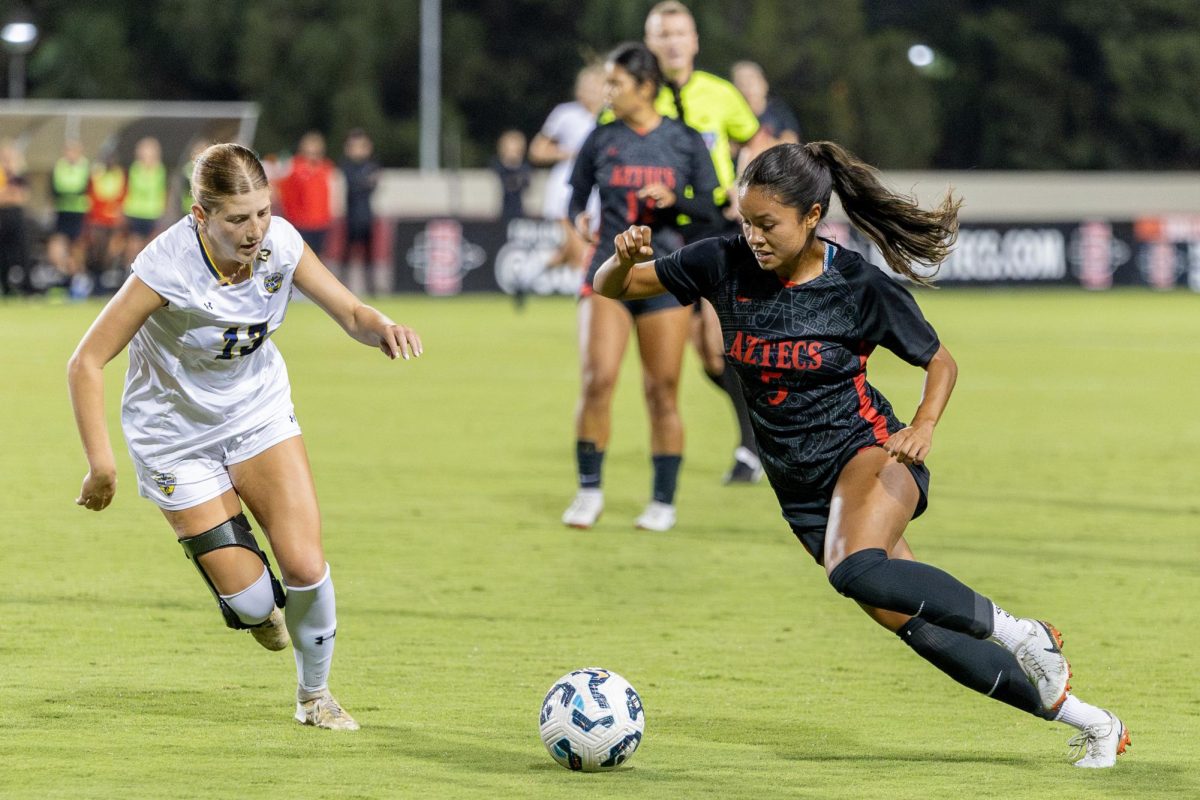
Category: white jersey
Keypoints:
(202, 368)
(567, 126)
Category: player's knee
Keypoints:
(306, 570)
(662, 396)
(852, 577)
(255, 601)
(598, 386)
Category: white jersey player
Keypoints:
(556, 145)
(207, 411)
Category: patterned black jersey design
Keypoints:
(801, 351)
(620, 161)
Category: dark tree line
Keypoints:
(1017, 84)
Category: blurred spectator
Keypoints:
(555, 146)
(304, 193)
(774, 116)
(69, 186)
(361, 172)
(185, 188)
(14, 194)
(513, 171)
(145, 196)
(102, 225)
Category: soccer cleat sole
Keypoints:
(580, 526)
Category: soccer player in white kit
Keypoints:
(207, 410)
(556, 145)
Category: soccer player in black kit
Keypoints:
(799, 317)
(648, 169)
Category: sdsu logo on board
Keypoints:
(165, 481)
(273, 281)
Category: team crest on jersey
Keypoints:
(273, 281)
(165, 481)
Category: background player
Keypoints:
(800, 316)
(714, 107)
(555, 146)
(207, 410)
(645, 166)
(776, 120)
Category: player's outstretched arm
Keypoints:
(112, 330)
(911, 445)
(629, 273)
(364, 323)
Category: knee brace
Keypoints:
(845, 576)
(234, 532)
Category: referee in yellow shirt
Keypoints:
(714, 107)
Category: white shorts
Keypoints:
(204, 474)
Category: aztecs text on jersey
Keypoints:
(801, 350)
(621, 162)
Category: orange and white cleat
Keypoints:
(1043, 662)
(1097, 746)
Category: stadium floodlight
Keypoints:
(19, 35)
(921, 56)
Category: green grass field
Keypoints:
(1064, 486)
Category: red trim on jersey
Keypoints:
(867, 411)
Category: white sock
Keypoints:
(254, 603)
(1008, 631)
(311, 616)
(1078, 714)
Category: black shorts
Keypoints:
(69, 224)
(141, 227)
(808, 511)
(359, 233)
(648, 305)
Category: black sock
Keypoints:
(590, 463)
(666, 475)
(980, 665)
(729, 382)
(913, 588)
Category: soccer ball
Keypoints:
(592, 720)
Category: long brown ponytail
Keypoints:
(906, 234)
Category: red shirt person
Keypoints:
(304, 192)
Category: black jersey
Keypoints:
(801, 350)
(620, 161)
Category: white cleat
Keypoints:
(747, 468)
(321, 711)
(1100, 744)
(1041, 659)
(272, 633)
(585, 509)
(657, 517)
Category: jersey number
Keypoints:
(768, 375)
(254, 333)
(637, 213)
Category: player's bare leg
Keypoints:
(662, 337)
(710, 346)
(277, 486)
(604, 327)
